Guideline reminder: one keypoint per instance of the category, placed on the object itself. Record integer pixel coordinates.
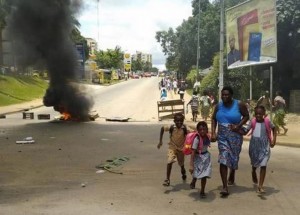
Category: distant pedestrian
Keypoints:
(263, 137)
(200, 164)
(194, 102)
(196, 86)
(163, 94)
(181, 90)
(265, 101)
(175, 86)
(205, 104)
(280, 112)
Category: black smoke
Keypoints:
(40, 31)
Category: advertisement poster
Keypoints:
(251, 34)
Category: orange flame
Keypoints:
(65, 116)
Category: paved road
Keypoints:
(57, 174)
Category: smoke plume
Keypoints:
(40, 30)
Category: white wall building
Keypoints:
(143, 56)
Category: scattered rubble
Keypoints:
(26, 140)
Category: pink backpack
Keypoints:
(188, 143)
(267, 124)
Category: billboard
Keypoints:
(251, 33)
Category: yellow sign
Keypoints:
(251, 33)
(127, 67)
(126, 55)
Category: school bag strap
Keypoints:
(267, 125)
(184, 128)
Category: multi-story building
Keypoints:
(93, 46)
(142, 56)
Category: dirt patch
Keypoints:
(293, 118)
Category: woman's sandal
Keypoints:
(260, 190)
(230, 182)
(224, 193)
(254, 177)
(166, 183)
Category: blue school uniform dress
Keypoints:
(202, 160)
(259, 146)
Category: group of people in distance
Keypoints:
(167, 85)
(204, 103)
(230, 121)
(278, 107)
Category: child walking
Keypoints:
(263, 137)
(194, 102)
(200, 164)
(177, 132)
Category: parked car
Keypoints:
(135, 76)
(147, 74)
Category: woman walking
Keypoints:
(229, 115)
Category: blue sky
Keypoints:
(132, 24)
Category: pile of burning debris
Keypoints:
(73, 104)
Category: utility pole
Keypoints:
(221, 72)
(198, 45)
(98, 23)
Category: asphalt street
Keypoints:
(59, 174)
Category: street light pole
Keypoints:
(198, 46)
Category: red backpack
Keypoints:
(188, 143)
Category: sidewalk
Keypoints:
(10, 109)
(290, 139)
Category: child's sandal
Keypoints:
(202, 195)
(166, 183)
(192, 185)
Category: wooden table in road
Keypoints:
(167, 109)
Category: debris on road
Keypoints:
(100, 171)
(43, 116)
(26, 140)
(117, 119)
(113, 163)
(28, 115)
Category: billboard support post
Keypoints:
(250, 83)
(221, 72)
(271, 90)
(198, 46)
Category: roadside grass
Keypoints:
(18, 89)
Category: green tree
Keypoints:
(180, 46)
(111, 58)
(137, 65)
(287, 69)
(4, 11)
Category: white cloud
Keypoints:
(132, 24)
